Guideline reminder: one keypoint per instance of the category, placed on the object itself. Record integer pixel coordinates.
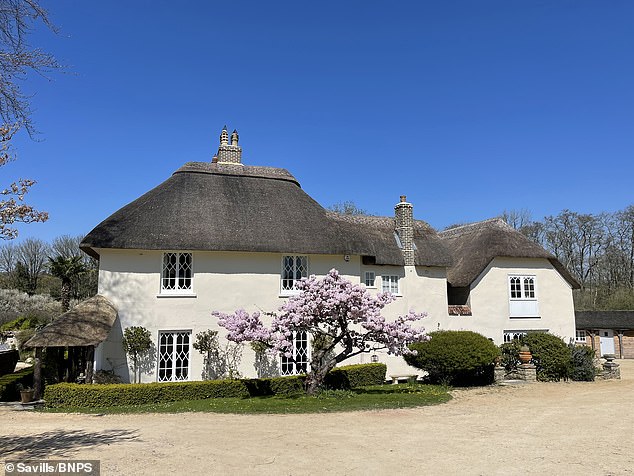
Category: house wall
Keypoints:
(489, 301)
(226, 281)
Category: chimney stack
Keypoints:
(404, 227)
(228, 153)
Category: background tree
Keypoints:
(347, 208)
(67, 270)
(342, 316)
(136, 342)
(32, 255)
(18, 59)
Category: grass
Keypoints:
(367, 398)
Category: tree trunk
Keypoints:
(319, 368)
(66, 289)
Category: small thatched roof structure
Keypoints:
(88, 323)
(604, 319)
(473, 246)
(234, 207)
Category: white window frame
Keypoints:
(299, 266)
(390, 283)
(178, 289)
(370, 279)
(510, 336)
(174, 357)
(522, 291)
(580, 336)
(301, 354)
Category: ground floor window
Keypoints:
(173, 356)
(580, 336)
(298, 363)
(510, 336)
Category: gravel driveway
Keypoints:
(544, 428)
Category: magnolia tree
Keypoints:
(341, 316)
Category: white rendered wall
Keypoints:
(226, 281)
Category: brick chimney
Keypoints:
(228, 153)
(404, 227)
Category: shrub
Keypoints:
(352, 376)
(551, 356)
(455, 357)
(582, 363)
(10, 384)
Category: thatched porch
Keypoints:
(74, 336)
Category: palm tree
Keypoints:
(66, 269)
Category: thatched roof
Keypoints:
(221, 207)
(604, 319)
(88, 323)
(473, 246)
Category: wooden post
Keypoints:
(620, 333)
(37, 374)
(90, 362)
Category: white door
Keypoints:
(607, 341)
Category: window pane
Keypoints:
(529, 288)
(369, 279)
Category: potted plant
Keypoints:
(26, 393)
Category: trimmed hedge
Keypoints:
(359, 375)
(76, 395)
(9, 384)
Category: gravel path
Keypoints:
(570, 428)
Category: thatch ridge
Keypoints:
(88, 323)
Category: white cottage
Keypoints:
(220, 236)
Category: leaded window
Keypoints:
(294, 268)
(298, 362)
(173, 356)
(177, 273)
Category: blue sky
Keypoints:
(468, 108)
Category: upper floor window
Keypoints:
(523, 296)
(369, 279)
(294, 268)
(389, 284)
(177, 273)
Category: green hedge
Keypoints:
(352, 376)
(9, 384)
(75, 395)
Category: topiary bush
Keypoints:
(460, 358)
(551, 356)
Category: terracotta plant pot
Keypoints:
(525, 354)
